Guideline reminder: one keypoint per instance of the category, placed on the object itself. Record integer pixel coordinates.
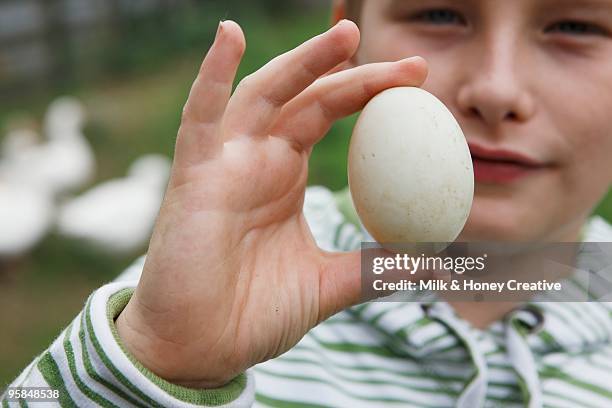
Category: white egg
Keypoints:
(410, 169)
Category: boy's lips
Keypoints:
(495, 165)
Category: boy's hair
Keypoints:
(353, 9)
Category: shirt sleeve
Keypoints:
(89, 366)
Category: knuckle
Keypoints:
(245, 82)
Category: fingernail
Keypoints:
(337, 24)
(414, 58)
(344, 20)
(219, 29)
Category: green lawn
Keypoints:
(133, 112)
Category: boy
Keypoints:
(233, 276)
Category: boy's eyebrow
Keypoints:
(565, 3)
(421, 4)
(549, 5)
(576, 3)
(394, 3)
(584, 6)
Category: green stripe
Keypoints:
(276, 403)
(585, 316)
(580, 404)
(386, 351)
(405, 332)
(211, 397)
(555, 372)
(374, 320)
(398, 344)
(23, 404)
(94, 374)
(342, 319)
(508, 398)
(549, 340)
(431, 374)
(512, 386)
(408, 374)
(437, 338)
(337, 234)
(107, 362)
(51, 373)
(354, 348)
(564, 320)
(29, 371)
(439, 354)
(340, 388)
(334, 370)
(91, 394)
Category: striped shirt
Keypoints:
(373, 355)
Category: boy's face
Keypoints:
(530, 82)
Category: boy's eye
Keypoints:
(438, 16)
(575, 28)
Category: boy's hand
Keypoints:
(233, 276)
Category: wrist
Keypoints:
(161, 357)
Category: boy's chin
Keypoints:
(501, 223)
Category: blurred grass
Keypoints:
(134, 112)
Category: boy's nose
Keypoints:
(494, 94)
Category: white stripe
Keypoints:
(562, 330)
(577, 393)
(291, 367)
(603, 358)
(348, 333)
(557, 402)
(35, 379)
(365, 359)
(505, 376)
(585, 372)
(58, 354)
(495, 390)
(317, 393)
(100, 368)
(346, 240)
(590, 313)
(106, 339)
(598, 230)
(84, 375)
(421, 335)
(18, 381)
(400, 317)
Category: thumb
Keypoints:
(344, 283)
(340, 282)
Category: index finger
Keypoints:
(259, 97)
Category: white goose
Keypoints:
(17, 141)
(25, 213)
(118, 215)
(25, 218)
(65, 162)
